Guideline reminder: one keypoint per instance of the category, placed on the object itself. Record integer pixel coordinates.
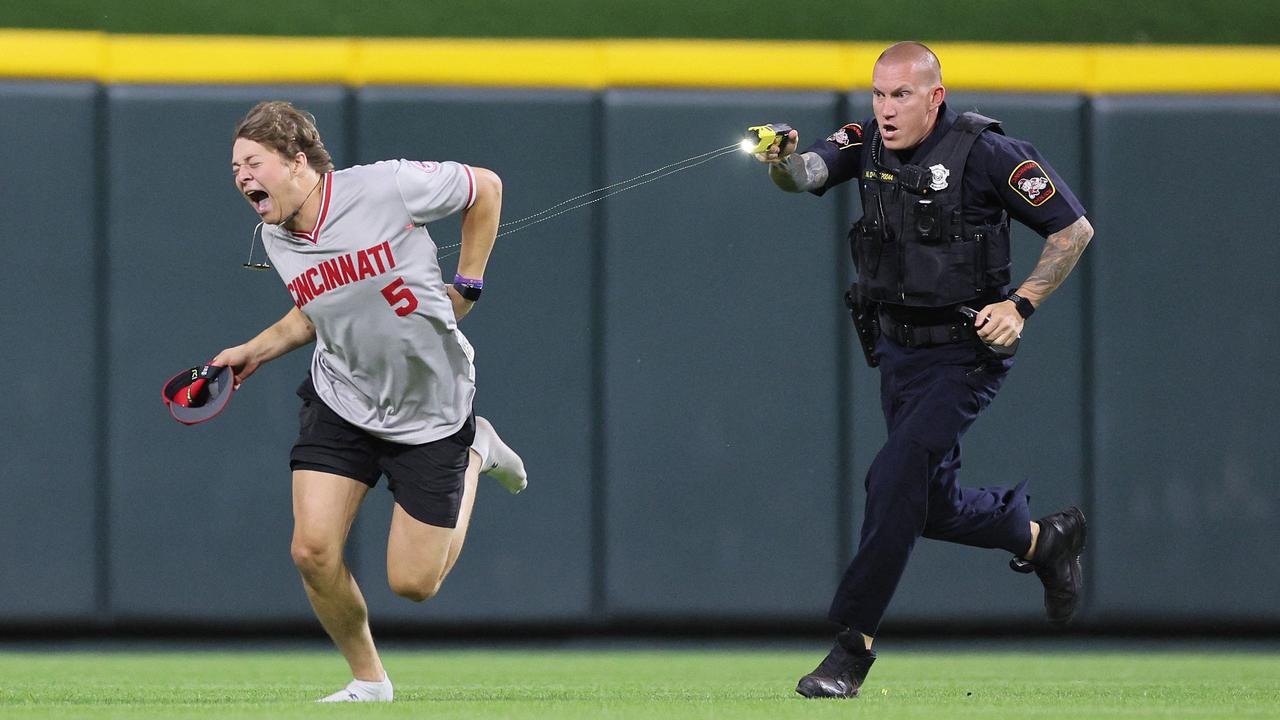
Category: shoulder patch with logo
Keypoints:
(1030, 181)
(847, 136)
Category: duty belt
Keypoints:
(923, 335)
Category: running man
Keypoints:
(391, 383)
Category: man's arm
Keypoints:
(799, 173)
(289, 333)
(791, 172)
(1061, 251)
(479, 230)
(1000, 322)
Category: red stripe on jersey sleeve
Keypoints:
(471, 187)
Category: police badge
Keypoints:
(940, 175)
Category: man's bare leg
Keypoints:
(324, 506)
(419, 555)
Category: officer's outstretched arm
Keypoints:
(799, 173)
(791, 172)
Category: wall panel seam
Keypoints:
(102, 345)
(599, 460)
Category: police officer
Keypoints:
(938, 190)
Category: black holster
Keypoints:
(866, 320)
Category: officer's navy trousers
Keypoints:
(930, 396)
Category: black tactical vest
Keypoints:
(914, 247)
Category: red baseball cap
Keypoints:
(198, 394)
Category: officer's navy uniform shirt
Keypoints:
(1000, 175)
(931, 396)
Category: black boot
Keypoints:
(842, 671)
(1057, 563)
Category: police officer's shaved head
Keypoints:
(917, 55)
(906, 94)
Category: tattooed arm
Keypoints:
(1000, 322)
(791, 171)
(1061, 251)
(807, 171)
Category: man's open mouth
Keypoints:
(260, 199)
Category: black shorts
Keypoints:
(426, 480)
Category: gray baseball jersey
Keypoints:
(389, 357)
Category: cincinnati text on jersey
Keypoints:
(339, 271)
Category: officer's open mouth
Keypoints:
(889, 127)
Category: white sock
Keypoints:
(363, 691)
(497, 459)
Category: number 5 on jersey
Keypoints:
(396, 293)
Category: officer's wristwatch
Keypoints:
(1024, 306)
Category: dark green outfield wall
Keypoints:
(1090, 21)
(672, 363)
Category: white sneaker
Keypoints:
(497, 459)
(363, 691)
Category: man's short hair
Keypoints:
(917, 52)
(281, 127)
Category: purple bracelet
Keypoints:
(468, 282)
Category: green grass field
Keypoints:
(568, 684)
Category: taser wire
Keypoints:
(623, 186)
(542, 215)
